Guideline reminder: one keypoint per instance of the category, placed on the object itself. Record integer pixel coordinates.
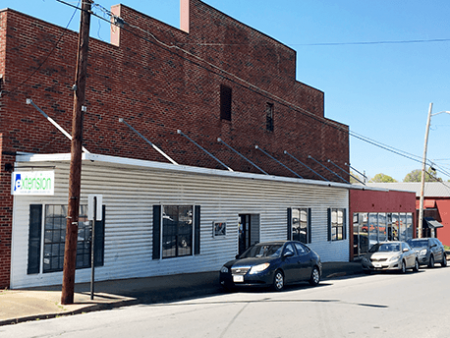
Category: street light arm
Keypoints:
(441, 112)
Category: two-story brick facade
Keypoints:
(213, 78)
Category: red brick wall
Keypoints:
(6, 207)
(159, 89)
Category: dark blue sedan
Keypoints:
(272, 264)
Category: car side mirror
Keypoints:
(237, 256)
(405, 250)
(288, 254)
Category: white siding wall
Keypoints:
(129, 194)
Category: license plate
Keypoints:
(238, 279)
(377, 265)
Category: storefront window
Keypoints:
(382, 225)
(395, 227)
(409, 226)
(363, 233)
(372, 228)
(402, 227)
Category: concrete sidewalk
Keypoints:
(45, 302)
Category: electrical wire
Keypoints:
(327, 43)
(370, 42)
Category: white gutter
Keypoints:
(114, 160)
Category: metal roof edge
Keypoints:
(183, 168)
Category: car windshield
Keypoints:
(418, 244)
(270, 250)
(385, 247)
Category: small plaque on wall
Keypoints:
(219, 228)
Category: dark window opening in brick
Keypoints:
(225, 103)
(269, 116)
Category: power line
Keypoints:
(370, 42)
(328, 43)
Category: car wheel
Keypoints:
(315, 277)
(416, 266)
(367, 272)
(431, 262)
(278, 281)
(444, 260)
(403, 268)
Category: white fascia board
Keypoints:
(114, 160)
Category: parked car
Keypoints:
(384, 256)
(272, 264)
(429, 251)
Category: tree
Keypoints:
(416, 176)
(382, 178)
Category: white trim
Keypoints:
(114, 160)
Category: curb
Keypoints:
(88, 308)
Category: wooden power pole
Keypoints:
(70, 250)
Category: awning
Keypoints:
(432, 223)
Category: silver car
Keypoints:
(429, 251)
(390, 256)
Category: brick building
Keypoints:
(213, 78)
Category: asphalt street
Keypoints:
(382, 305)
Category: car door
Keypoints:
(436, 250)
(289, 263)
(409, 256)
(304, 262)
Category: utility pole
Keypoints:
(70, 250)
(422, 180)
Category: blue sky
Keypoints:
(381, 90)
